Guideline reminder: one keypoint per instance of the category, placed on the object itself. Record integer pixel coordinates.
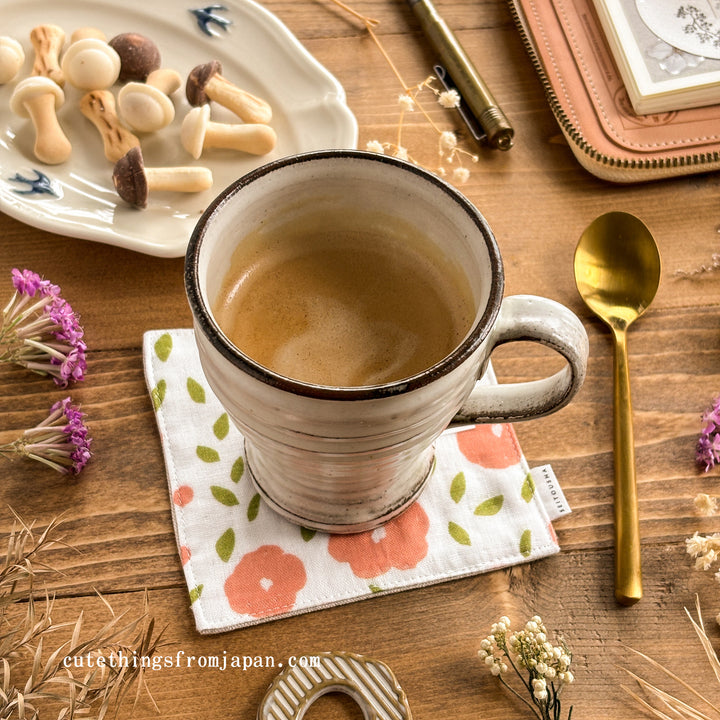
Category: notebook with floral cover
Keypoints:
(668, 53)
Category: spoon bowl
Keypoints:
(617, 268)
(617, 273)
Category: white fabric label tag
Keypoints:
(550, 492)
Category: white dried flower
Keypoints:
(704, 562)
(460, 175)
(375, 146)
(706, 504)
(539, 688)
(448, 141)
(705, 549)
(449, 99)
(695, 545)
(406, 102)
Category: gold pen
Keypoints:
(478, 98)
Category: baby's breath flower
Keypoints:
(448, 141)
(460, 175)
(406, 102)
(705, 504)
(60, 441)
(375, 146)
(705, 549)
(449, 99)
(547, 666)
(40, 331)
(401, 153)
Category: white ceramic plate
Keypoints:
(257, 53)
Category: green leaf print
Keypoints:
(237, 470)
(253, 507)
(163, 346)
(224, 496)
(528, 488)
(491, 506)
(195, 390)
(458, 534)
(195, 593)
(158, 394)
(526, 543)
(375, 588)
(221, 427)
(307, 534)
(225, 545)
(457, 487)
(207, 454)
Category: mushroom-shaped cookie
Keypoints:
(199, 132)
(98, 106)
(90, 64)
(146, 107)
(37, 98)
(205, 83)
(12, 56)
(48, 41)
(139, 56)
(133, 181)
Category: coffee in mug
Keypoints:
(329, 299)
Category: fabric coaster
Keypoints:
(482, 509)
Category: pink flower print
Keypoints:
(265, 582)
(183, 495)
(184, 554)
(401, 543)
(492, 446)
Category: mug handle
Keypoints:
(537, 319)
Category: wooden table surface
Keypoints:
(538, 199)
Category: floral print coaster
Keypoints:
(482, 509)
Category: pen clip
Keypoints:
(471, 122)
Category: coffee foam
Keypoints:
(346, 307)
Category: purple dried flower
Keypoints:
(60, 441)
(708, 444)
(41, 332)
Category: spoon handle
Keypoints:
(628, 571)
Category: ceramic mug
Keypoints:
(345, 459)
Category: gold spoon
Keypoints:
(617, 273)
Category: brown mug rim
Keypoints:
(204, 318)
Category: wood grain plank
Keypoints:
(430, 638)
(538, 200)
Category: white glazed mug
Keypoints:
(345, 459)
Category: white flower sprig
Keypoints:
(705, 549)
(449, 151)
(546, 666)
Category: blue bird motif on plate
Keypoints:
(39, 185)
(208, 15)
